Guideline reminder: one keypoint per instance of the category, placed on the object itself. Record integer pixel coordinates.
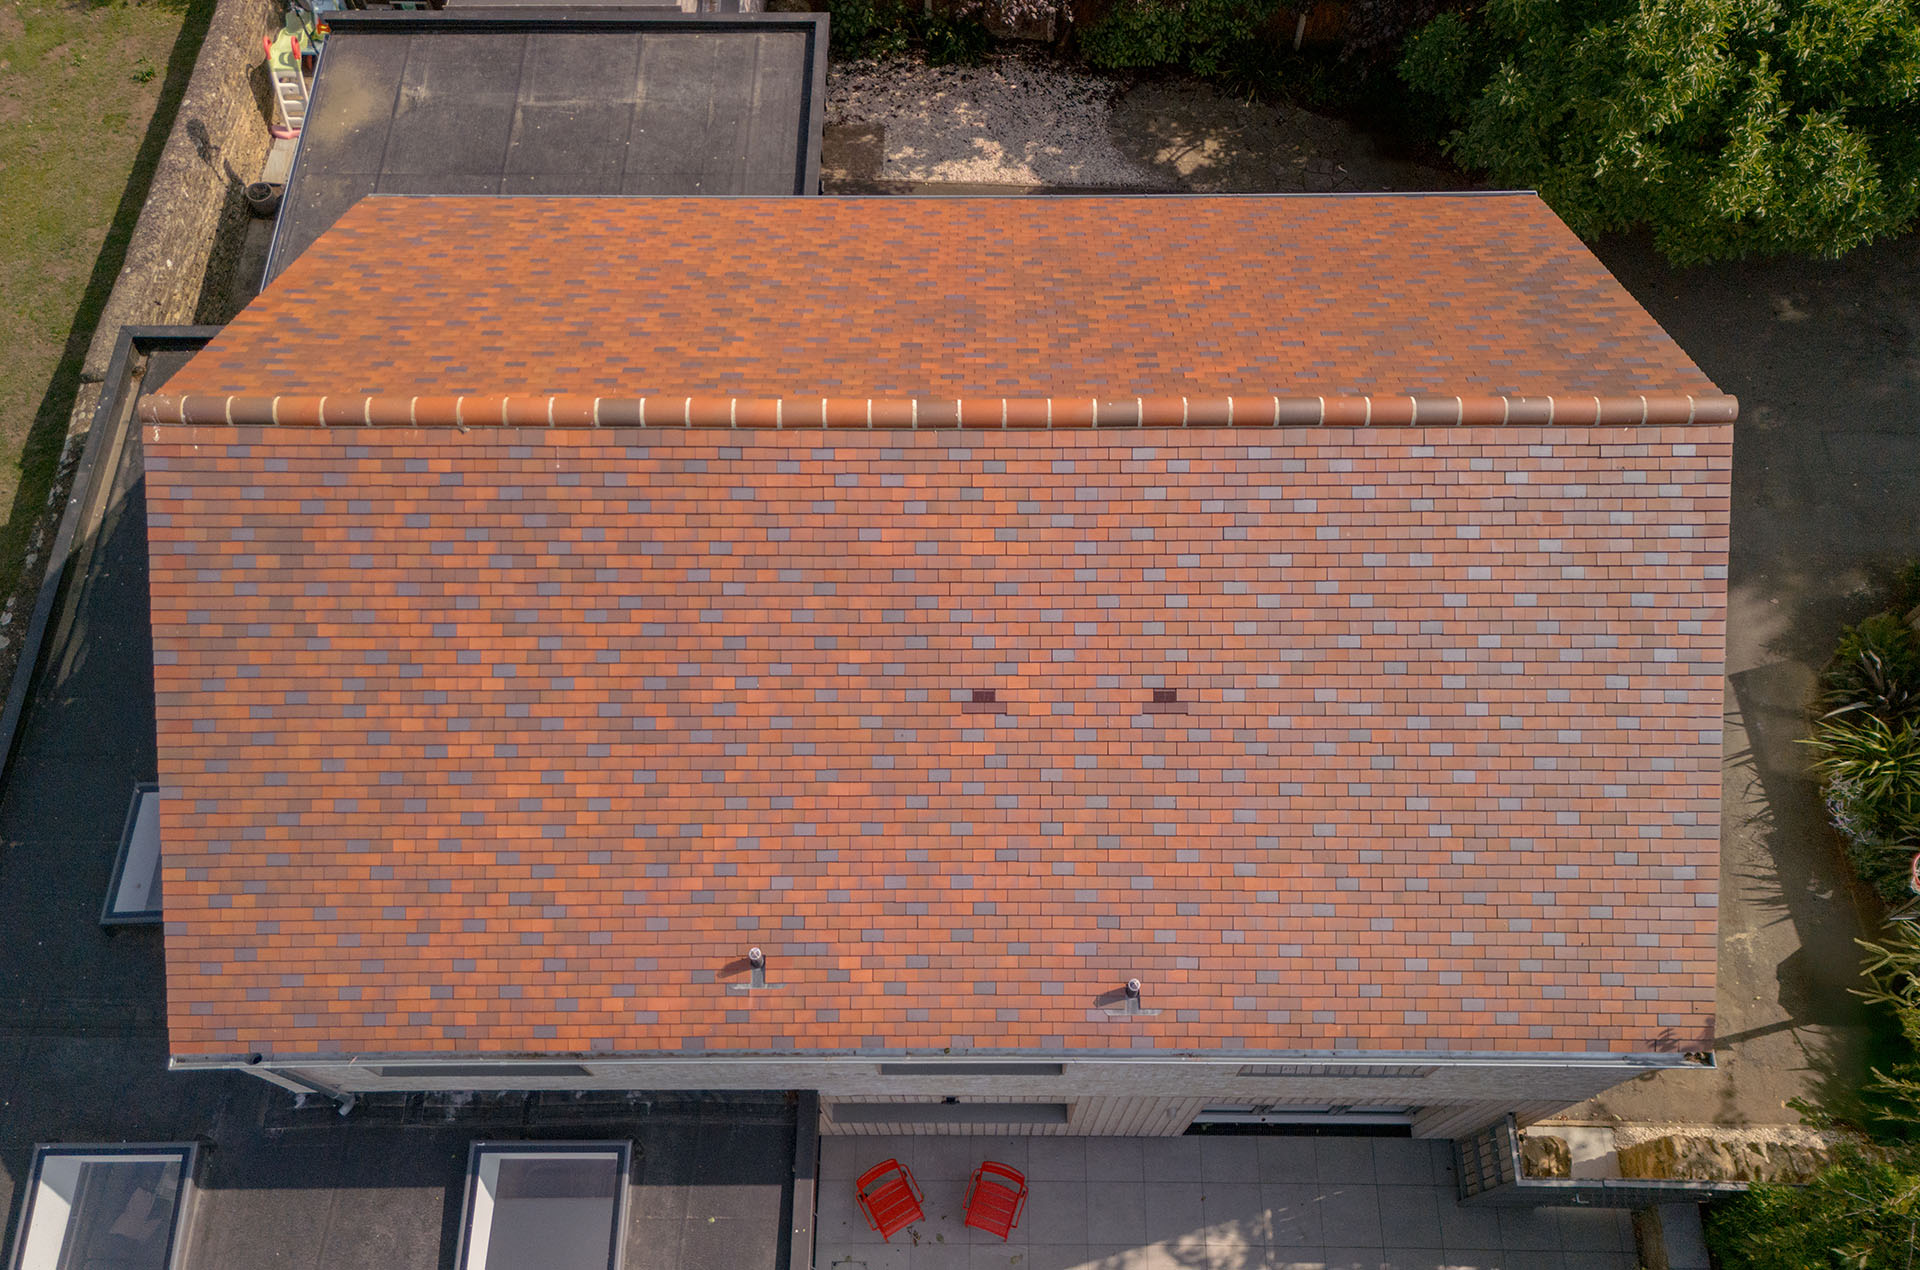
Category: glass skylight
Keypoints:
(544, 1206)
(117, 1206)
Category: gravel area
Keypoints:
(1016, 119)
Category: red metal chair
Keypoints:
(996, 1197)
(889, 1197)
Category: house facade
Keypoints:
(1055, 666)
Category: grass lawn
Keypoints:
(87, 92)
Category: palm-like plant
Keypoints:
(1874, 766)
(1876, 669)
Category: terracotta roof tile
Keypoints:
(939, 300)
(516, 739)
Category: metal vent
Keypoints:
(493, 1071)
(1383, 1071)
(971, 1069)
(934, 1113)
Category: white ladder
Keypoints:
(289, 90)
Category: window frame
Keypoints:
(110, 915)
(471, 1201)
(187, 1153)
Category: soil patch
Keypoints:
(1026, 119)
(1019, 118)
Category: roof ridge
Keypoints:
(580, 411)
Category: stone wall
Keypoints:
(184, 248)
(189, 231)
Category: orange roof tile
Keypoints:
(1282, 301)
(514, 740)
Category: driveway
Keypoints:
(1205, 1203)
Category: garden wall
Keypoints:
(188, 233)
(185, 243)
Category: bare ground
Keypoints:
(1023, 120)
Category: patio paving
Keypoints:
(1205, 1203)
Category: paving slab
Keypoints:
(1282, 1212)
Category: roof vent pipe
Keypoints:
(1127, 1003)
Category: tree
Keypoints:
(1862, 1212)
(1730, 127)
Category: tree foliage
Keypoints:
(1730, 127)
(1202, 36)
(1862, 1212)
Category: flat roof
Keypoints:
(596, 101)
(515, 740)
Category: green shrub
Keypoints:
(1730, 127)
(1876, 762)
(1444, 60)
(1862, 1212)
(951, 39)
(1892, 972)
(1876, 669)
(1903, 590)
(1872, 773)
(1202, 36)
(876, 28)
(866, 28)
(1867, 743)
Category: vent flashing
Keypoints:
(983, 701)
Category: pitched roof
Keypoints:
(1255, 309)
(514, 740)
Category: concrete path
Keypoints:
(1205, 1203)
(1825, 357)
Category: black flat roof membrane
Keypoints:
(588, 101)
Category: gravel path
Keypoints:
(1016, 119)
